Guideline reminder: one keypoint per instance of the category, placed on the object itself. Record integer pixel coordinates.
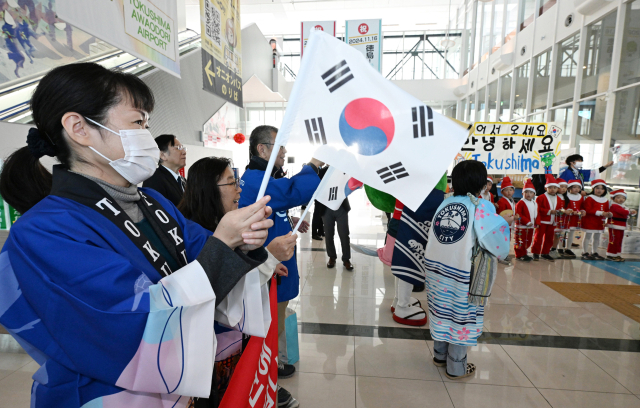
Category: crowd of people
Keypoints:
(118, 261)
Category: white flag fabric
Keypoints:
(339, 186)
(365, 126)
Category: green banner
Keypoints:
(13, 214)
(3, 219)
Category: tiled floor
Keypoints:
(557, 353)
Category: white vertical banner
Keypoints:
(366, 37)
(145, 29)
(307, 27)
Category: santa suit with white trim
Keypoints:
(486, 194)
(593, 223)
(543, 238)
(574, 203)
(527, 210)
(617, 225)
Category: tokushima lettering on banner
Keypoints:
(515, 148)
(307, 27)
(366, 37)
(145, 29)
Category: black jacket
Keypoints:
(164, 183)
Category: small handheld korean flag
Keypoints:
(339, 187)
(365, 126)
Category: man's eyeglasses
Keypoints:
(271, 144)
(182, 148)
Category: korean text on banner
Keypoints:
(307, 27)
(142, 28)
(364, 125)
(222, 49)
(515, 148)
(366, 37)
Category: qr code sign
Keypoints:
(212, 22)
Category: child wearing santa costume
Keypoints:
(548, 207)
(486, 193)
(526, 213)
(561, 220)
(596, 206)
(574, 213)
(506, 203)
(617, 224)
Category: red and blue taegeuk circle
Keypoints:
(351, 186)
(367, 123)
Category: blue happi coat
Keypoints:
(286, 193)
(456, 227)
(106, 327)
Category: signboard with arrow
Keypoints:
(220, 80)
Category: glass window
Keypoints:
(486, 30)
(541, 75)
(546, 5)
(589, 131)
(476, 47)
(505, 98)
(463, 110)
(450, 109)
(493, 96)
(512, 20)
(527, 9)
(498, 20)
(471, 112)
(563, 117)
(566, 73)
(481, 105)
(597, 64)
(467, 45)
(522, 82)
(630, 61)
(537, 117)
(625, 137)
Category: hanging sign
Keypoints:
(145, 29)
(222, 49)
(366, 37)
(307, 27)
(515, 148)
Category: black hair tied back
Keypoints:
(38, 146)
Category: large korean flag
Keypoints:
(339, 186)
(365, 126)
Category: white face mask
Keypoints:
(578, 165)
(141, 154)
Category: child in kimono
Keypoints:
(526, 213)
(617, 224)
(561, 221)
(548, 207)
(573, 201)
(459, 222)
(596, 207)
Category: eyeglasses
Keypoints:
(236, 183)
(182, 148)
(271, 144)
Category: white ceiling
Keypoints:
(278, 17)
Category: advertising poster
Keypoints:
(366, 37)
(145, 29)
(307, 27)
(515, 148)
(222, 49)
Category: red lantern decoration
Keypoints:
(239, 138)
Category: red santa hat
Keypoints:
(598, 182)
(551, 181)
(490, 179)
(528, 186)
(506, 183)
(618, 192)
(574, 183)
(561, 182)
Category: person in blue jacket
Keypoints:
(575, 172)
(285, 193)
(104, 284)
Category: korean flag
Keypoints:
(339, 186)
(365, 126)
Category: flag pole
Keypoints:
(321, 186)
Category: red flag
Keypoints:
(254, 381)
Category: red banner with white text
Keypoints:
(254, 381)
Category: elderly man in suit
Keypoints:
(167, 179)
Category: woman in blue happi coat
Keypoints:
(107, 286)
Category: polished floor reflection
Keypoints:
(540, 349)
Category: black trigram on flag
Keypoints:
(422, 125)
(333, 193)
(337, 76)
(393, 172)
(315, 131)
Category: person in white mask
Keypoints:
(99, 276)
(575, 170)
